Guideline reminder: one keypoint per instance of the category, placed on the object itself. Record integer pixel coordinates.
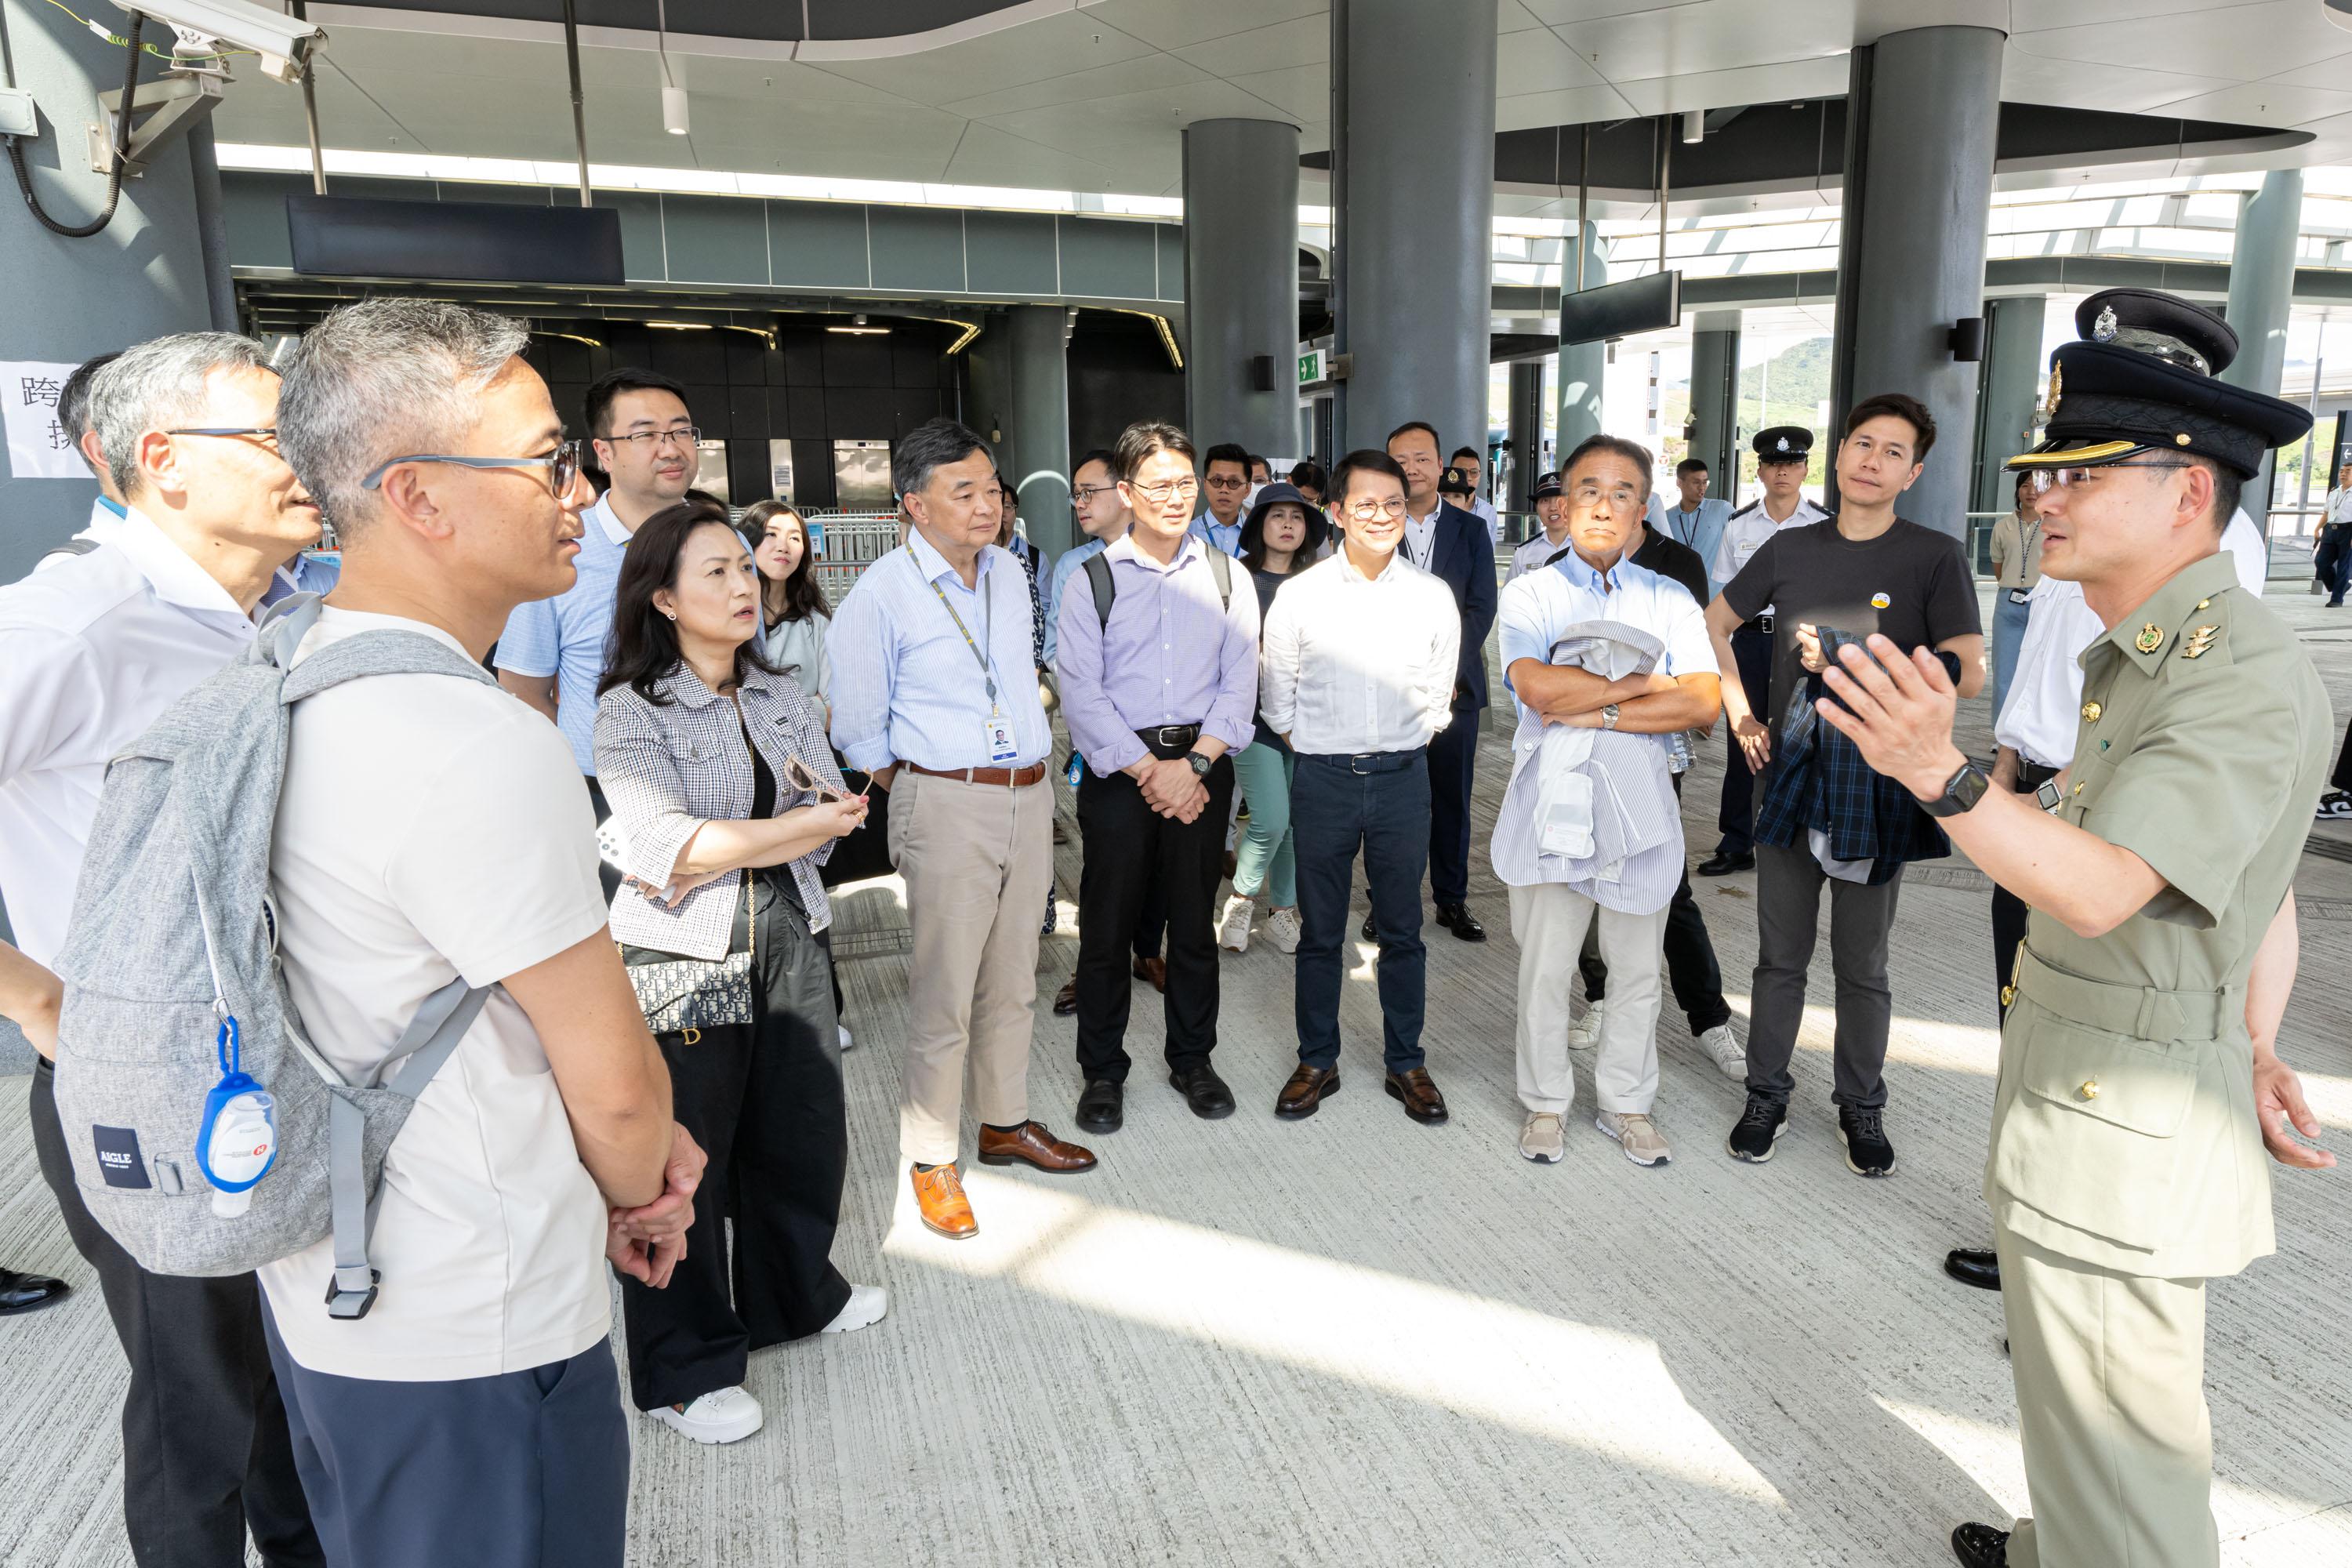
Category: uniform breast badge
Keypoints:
(2150, 638)
(2198, 641)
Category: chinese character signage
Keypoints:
(37, 448)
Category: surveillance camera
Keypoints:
(284, 44)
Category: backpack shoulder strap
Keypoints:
(1221, 567)
(1106, 587)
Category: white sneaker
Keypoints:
(1281, 931)
(1637, 1135)
(1540, 1139)
(845, 1041)
(1233, 931)
(1585, 1033)
(1725, 1049)
(865, 1307)
(722, 1415)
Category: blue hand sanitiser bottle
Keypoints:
(237, 1141)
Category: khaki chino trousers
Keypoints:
(977, 860)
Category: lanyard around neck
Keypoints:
(979, 590)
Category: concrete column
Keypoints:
(2261, 285)
(1714, 399)
(1036, 457)
(1241, 282)
(141, 275)
(2012, 389)
(1582, 366)
(1418, 229)
(1923, 107)
(1527, 434)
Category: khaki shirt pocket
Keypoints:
(2091, 1135)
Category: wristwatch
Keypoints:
(1201, 765)
(2050, 797)
(1961, 792)
(1609, 716)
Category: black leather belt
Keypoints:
(1169, 742)
(1760, 624)
(2032, 776)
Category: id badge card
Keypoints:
(1000, 749)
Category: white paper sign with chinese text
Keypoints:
(37, 448)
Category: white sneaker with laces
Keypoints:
(1726, 1051)
(845, 1041)
(1233, 931)
(2333, 806)
(1585, 1033)
(1542, 1139)
(1637, 1135)
(865, 1307)
(721, 1416)
(1281, 931)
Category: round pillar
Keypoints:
(2262, 287)
(1582, 366)
(1241, 283)
(1036, 455)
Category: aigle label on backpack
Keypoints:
(118, 1156)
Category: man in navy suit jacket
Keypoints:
(1445, 539)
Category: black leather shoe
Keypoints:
(28, 1292)
(1101, 1106)
(1371, 931)
(1457, 919)
(1722, 865)
(1974, 1266)
(1065, 1000)
(1205, 1091)
(1980, 1545)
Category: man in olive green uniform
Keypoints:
(2138, 1082)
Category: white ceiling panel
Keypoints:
(988, 156)
(1173, 26)
(1569, 106)
(2334, 72)
(1567, 13)
(1144, 75)
(1051, 46)
(2264, 103)
(1304, 94)
(2241, 43)
(2036, 16)
(1511, 17)
(1538, 62)
(1786, 82)
(1306, 41)
(2033, 79)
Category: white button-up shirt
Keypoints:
(1421, 534)
(1536, 610)
(1744, 533)
(1352, 664)
(1531, 555)
(93, 649)
(2043, 712)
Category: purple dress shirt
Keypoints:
(1172, 655)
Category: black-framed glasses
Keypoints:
(1083, 495)
(685, 436)
(264, 435)
(563, 466)
(1227, 482)
(2047, 479)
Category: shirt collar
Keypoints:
(1582, 572)
(1187, 547)
(2145, 636)
(1423, 522)
(1348, 568)
(934, 566)
(109, 503)
(604, 514)
(683, 685)
(169, 570)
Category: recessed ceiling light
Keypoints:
(681, 326)
(861, 332)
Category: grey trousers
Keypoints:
(1788, 910)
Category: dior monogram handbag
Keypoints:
(687, 996)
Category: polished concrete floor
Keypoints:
(1358, 1341)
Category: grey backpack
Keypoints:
(172, 978)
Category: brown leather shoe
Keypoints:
(938, 1196)
(1302, 1094)
(1065, 1000)
(1418, 1095)
(1154, 970)
(1035, 1144)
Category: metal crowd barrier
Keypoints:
(853, 541)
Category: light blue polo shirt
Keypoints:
(564, 637)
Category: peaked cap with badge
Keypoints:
(1782, 444)
(2144, 376)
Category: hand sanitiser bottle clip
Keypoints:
(237, 1143)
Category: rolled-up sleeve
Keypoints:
(1233, 716)
(1097, 731)
(1277, 666)
(641, 784)
(861, 646)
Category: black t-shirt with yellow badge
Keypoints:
(1911, 584)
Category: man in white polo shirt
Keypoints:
(428, 829)
(93, 647)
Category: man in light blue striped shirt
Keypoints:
(935, 694)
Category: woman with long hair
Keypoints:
(1279, 540)
(793, 612)
(725, 802)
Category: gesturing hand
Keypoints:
(1899, 711)
(2279, 1102)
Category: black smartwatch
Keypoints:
(1961, 792)
(1201, 765)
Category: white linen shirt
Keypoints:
(1536, 609)
(1744, 533)
(1350, 664)
(2043, 712)
(93, 649)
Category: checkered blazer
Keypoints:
(669, 768)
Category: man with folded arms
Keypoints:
(1609, 661)
(1358, 672)
(935, 695)
(1156, 693)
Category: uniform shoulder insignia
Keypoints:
(1751, 506)
(2198, 641)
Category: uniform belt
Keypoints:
(1169, 742)
(1760, 624)
(2141, 1012)
(2031, 775)
(1013, 778)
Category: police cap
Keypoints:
(1783, 444)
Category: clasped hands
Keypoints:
(647, 1243)
(1170, 788)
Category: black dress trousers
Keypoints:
(1133, 853)
(1752, 651)
(764, 1100)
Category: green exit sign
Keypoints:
(1312, 368)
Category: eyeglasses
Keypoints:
(685, 436)
(1372, 511)
(1160, 494)
(260, 434)
(1083, 495)
(798, 775)
(563, 466)
(1624, 495)
(1227, 482)
(2046, 479)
